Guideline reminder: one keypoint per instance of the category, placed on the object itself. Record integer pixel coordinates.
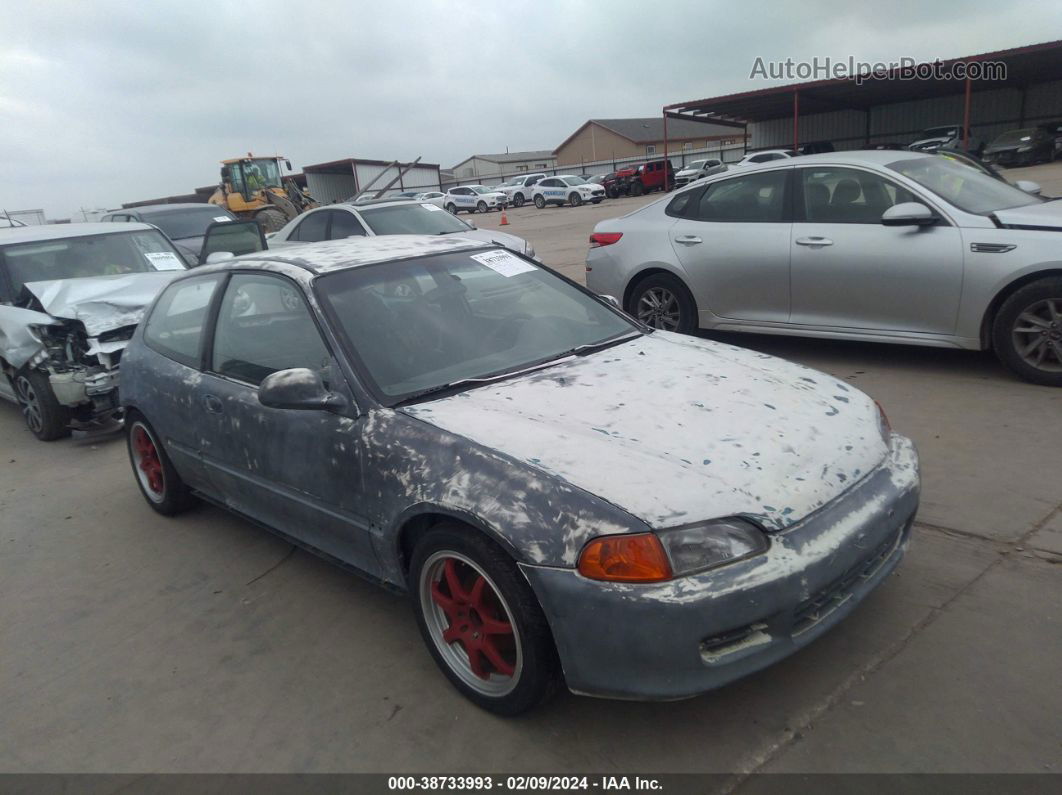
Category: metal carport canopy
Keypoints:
(1034, 63)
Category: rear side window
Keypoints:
(175, 327)
(313, 228)
(344, 225)
(753, 198)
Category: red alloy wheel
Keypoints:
(148, 462)
(471, 624)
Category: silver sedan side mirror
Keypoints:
(908, 214)
(1028, 186)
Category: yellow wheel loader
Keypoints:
(253, 188)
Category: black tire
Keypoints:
(595, 201)
(575, 199)
(533, 656)
(271, 220)
(451, 208)
(481, 207)
(683, 306)
(518, 200)
(637, 189)
(172, 495)
(1018, 349)
(539, 201)
(45, 416)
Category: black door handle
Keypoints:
(212, 403)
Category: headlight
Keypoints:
(704, 546)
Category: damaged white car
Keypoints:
(70, 298)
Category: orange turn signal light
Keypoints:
(625, 558)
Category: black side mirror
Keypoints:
(232, 237)
(299, 388)
(287, 164)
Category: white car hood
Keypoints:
(101, 303)
(675, 429)
(687, 172)
(1048, 214)
(511, 242)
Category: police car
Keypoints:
(473, 199)
(518, 190)
(566, 189)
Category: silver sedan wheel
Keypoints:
(470, 623)
(30, 404)
(1037, 335)
(659, 307)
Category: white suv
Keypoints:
(474, 199)
(566, 189)
(518, 191)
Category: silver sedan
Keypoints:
(876, 245)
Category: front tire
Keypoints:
(663, 302)
(451, 208)
(481, 207)
(159, 482)
(1027, 332)
(518, 200)
(575, 199)
(45, 416)
(637, 189)
(540, 202)
(481, 621)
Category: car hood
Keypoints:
(1047, 215)
(687, 172)
(674, 430)
(511, 242)
(924, 142)
(101, 303)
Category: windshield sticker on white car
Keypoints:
(433, 208)
(221, 219)
(164, 261)
(503, 262)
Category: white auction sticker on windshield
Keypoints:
(503, 262)
(433, 207)
(221, 219)
(165, 261)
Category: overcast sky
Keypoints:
(102, 103)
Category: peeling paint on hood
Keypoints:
(675, 429)
(18, 342)
(101, 303)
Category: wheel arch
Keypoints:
(1006, 292)
(417, 520)
(651, 270)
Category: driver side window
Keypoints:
(264, 325)
(848, 195)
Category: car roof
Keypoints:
(351, 252)
(33, 234)
(155, 208)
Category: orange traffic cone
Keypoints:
(504, 220)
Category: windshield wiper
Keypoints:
(590, 347)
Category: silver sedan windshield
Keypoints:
(417, 325)
(412, 219)
(970, 190)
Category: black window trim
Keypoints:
(327, 212)
(688, 213)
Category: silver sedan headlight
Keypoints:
(706, 545)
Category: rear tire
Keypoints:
(663, 302)
(1027, 332)
(45, 416)
(481, 621)
(271, 220)
(540, 202)
(159, 482)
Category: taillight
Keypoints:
(599, 239)
(625, 558)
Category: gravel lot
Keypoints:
(134, 643)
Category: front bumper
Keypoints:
(696, 633)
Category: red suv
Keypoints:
(636, 180)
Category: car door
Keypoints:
(464, 198)
(850, 271)
(296, 471)
(732, 238)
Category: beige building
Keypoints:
(612, 139)
(505, 163)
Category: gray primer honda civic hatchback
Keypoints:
(452, 419)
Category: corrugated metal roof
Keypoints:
(513, 157)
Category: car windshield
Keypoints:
(1014, 137)
(480, 189)
(92, 255)
(418, 325)
(189, 222)
(968, 189)
(261, 173)
(697, 164)
(573, 181)
(940, 132)
(412, 219)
